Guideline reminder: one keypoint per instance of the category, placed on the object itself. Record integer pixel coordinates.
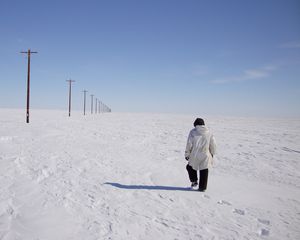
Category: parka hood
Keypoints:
(201, 128)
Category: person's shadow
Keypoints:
(147, 187)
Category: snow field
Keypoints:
(122, 176)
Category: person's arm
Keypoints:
(212, 146)
(189, 146)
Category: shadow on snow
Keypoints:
(146, 187)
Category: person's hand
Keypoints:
(187, 158)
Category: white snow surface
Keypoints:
(122, 176)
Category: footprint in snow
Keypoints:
(223, 202)
(236, 210)
(91, 197)
(239, 211)
(264, 232)
(206, 196)
(10, 211)
(263, 221)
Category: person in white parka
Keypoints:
(200, 149)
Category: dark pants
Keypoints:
(193, 176)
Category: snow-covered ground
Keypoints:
(122, 176)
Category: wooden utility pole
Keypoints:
(28, 83)
(92, 97)
(84, 100)
(96, 106)
(101, 107)
(70, 89)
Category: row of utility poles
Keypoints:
(99, 107)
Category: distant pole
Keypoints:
(99, 107)
(28, 83)
(92, 97)
(84, 101)
(96, 106)
(70, 89)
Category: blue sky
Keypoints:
(230, 57)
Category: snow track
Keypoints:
(122, 176)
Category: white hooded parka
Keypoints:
(200, 148)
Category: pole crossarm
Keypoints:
(29, 52)
(70, 80)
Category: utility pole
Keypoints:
(84, 100)
(92, 97)
(28, 83)
(70, 88)
(96, 105)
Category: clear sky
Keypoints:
(233, 57)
